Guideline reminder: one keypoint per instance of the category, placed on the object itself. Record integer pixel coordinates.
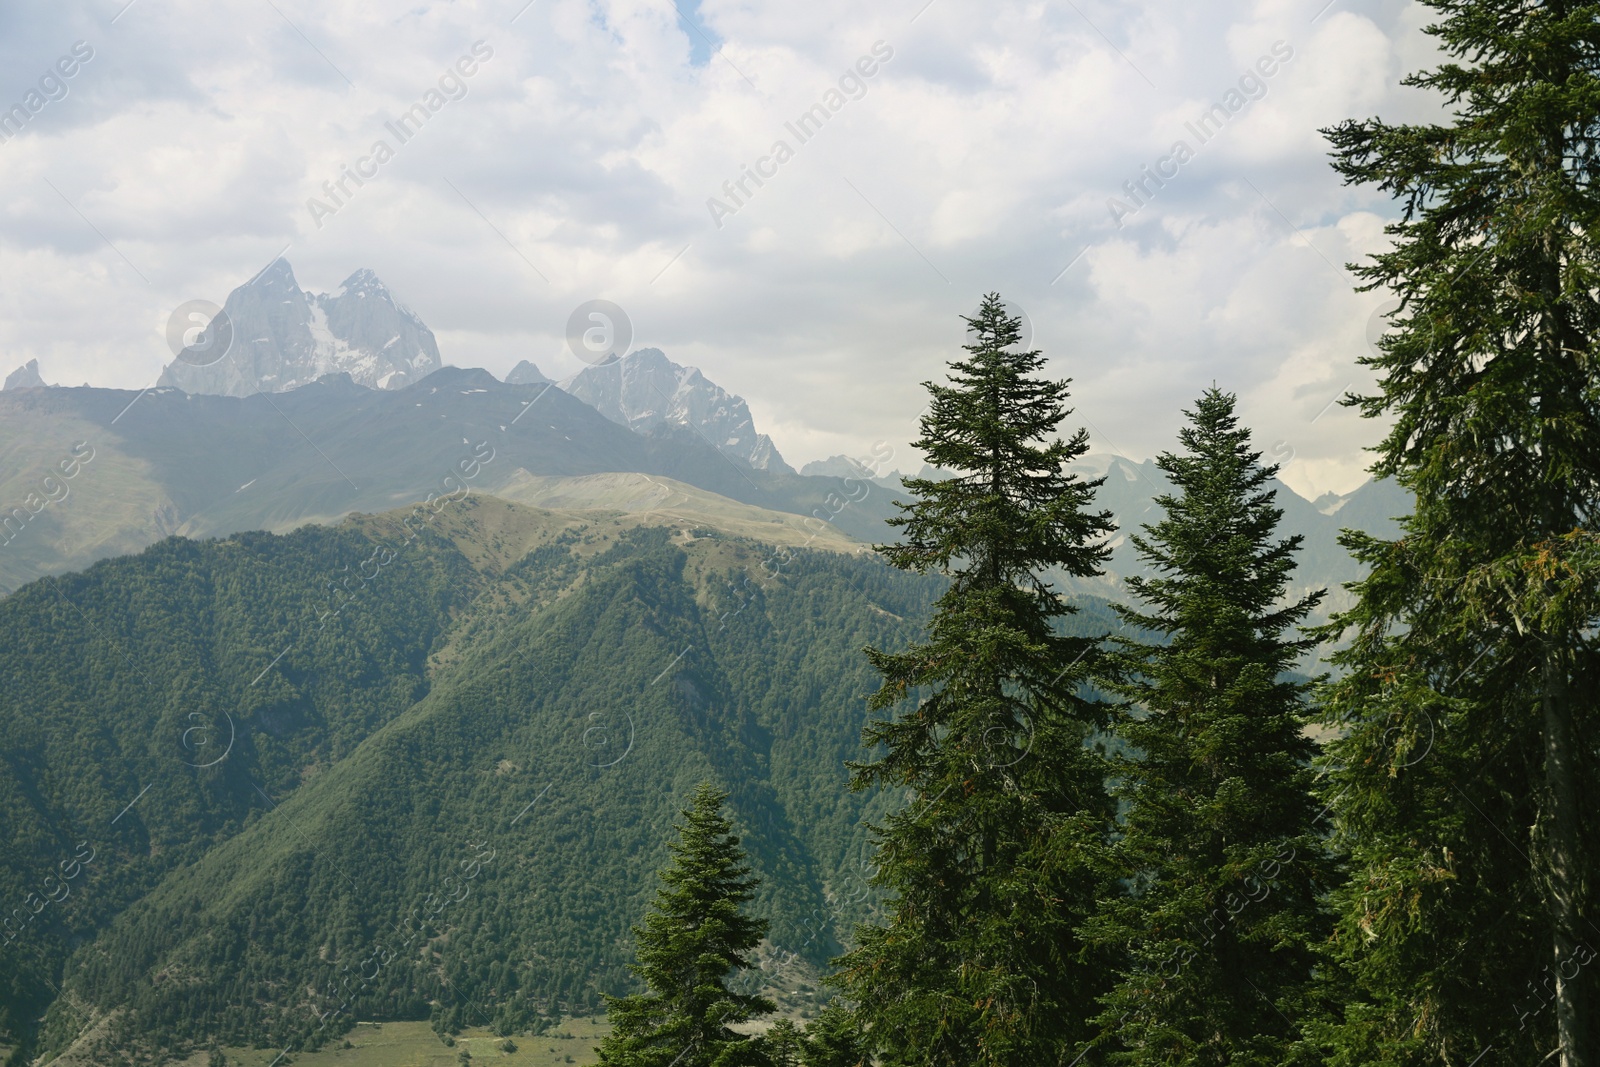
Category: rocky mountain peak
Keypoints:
(525, 373)
(277, 277)
(645, 391)
(26, 377)
(363, 284)
(284, 337)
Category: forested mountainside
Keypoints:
(265, 785)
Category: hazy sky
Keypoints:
(577, 159)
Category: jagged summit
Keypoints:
(1330, 502)
(646, 391)
(277, 274)
(26, 377)
(525, 373)
(364, 283)
(284, 337)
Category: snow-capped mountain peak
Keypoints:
(284, 337)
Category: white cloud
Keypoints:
(981, 157)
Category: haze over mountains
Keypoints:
(176, 463)
(285, 337)
(333, 403)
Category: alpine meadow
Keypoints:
(928, 600)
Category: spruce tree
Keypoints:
(987, 866)
(1464, 783)
(694, 936)
(783, 1044)
(1217, 842)
(833, 1039)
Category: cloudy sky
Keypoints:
(580, 157)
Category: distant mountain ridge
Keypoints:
(369, 417)
(646, 391)
(285, 337)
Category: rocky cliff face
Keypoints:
(646, 391)
(284, 337)
(26, 377)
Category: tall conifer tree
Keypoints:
(693, 938)
(1218, 842)
(1465, 780)
(980, 962)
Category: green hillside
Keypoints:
(142, 726)
(446, 800)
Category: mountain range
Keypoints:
(285, 337)
(315, 431)
(168, 462)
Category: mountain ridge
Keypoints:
(167, 461)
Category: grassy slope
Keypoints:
(112, 505)
(414, 1044)
(666, 500)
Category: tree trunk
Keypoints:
(1562, 877)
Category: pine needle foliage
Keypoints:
(1218, 841)
(987, 869)
(1464, 780)
(693, 938)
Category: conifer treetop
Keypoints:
(979, 964)
(1012, 507)
(1217, 841)
(693, 938)
(1213, 549)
